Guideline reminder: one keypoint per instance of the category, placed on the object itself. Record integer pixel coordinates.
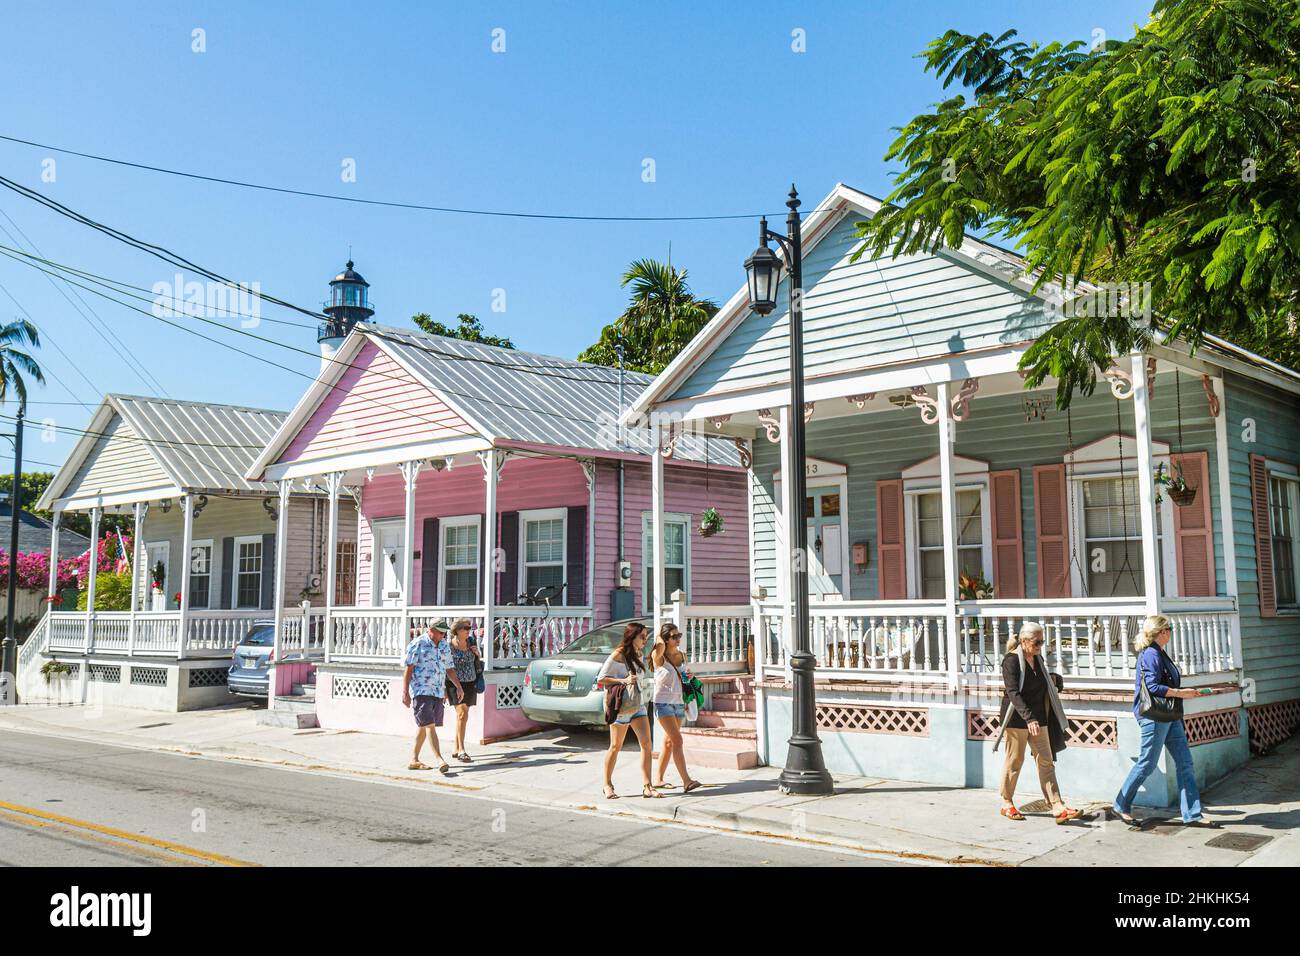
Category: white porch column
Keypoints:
(654, 561)
(1146, 486)
(285, 489)
(1224, 478)
(948, 498)
(589, 468)
(410, 469)
(53, 589)
(92, 567)
(187, 545)
(333, 487)
(137, 537)
(491, 460)
(791, 511)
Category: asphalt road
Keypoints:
(70, 803)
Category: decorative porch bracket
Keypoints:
(929, 406)
(770, 423)
(962, 400)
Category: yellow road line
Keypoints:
(87, 837)
(98, 828)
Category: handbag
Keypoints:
(480, 685)
(631, 702)
(1160, 709)
(692, 695)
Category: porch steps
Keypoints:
(295, 711)
(725, 736)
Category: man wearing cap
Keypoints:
(429, 665)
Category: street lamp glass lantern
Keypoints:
(764, 271)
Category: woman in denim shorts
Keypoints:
(625, 665)
(668, 661)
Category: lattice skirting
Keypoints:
(105, 673)
(509, 696)
(870, 719)
(209, 676)
(1209, 727)
(1101, 732)
(360, 688)
(149, 676)
(1270, 724)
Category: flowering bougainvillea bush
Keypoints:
(34, 566)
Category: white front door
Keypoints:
(825, 543)
(387, 586)
(157, 552)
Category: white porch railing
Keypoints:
(714, 636)
(519, 634)
(865, 638)
(217, 632)
(1089, 640)
(303, 637)
(67, 631)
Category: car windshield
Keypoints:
(262, 635)
(603, 640)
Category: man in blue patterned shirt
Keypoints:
(429, 667)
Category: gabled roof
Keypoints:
(976, 254)
(34, 534)
(199, 446)
(508, 396)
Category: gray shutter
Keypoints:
(508, 585)
(429, 563)
(575, 557)
(227, 572)
(268, 572)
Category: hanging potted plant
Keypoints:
(52, 669)
(710, 523)
(1180, 493)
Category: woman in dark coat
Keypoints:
(1032, 717)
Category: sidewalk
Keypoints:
(895, 819)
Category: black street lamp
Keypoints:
(805, 770)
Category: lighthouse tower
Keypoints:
(348, 304)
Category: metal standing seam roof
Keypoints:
(538, 399)
(201, 445)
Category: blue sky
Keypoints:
(562, 121)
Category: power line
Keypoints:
(102, 327)
(45, 334)
(422, 207)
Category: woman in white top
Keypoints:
(625, 665)
(668, 659)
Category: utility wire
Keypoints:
(46, 337)
(422, 207)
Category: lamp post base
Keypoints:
(808, 783)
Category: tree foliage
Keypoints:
(15, 362)
(1170, 158)
(33, 485)
(468, 328)
(662, 316)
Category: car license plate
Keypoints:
(252, 662)
(560, 682)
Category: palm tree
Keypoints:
(14, 362)
(662, 316)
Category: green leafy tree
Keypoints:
(1170, 158)
(33, 485)
(662, 316)
(15, 362)
(469, 328)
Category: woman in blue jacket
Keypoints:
(1162, 679)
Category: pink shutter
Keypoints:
(1263, 536)
(1193, 530)
(1008, 537)
(890, 538)
(1052, 531)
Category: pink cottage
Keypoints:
(482, 478)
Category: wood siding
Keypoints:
(374, 404)
(234, 517)
(1271, 647)
(870, 313)
(879, 445)
(118, 462)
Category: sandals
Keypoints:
(1068, 814)
(1200, 823)
(444, 768)
(610, 794)
(650, 793)
(665, 786)
(1011, 813)
(462, 757)
(692, 785)
(417, 765)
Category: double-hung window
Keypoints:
(201, 574)
(1112, 536)
(929, 540)
(1283, 506)
(248, 572)
(542, 536)
(460, 560)
(676, 560)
